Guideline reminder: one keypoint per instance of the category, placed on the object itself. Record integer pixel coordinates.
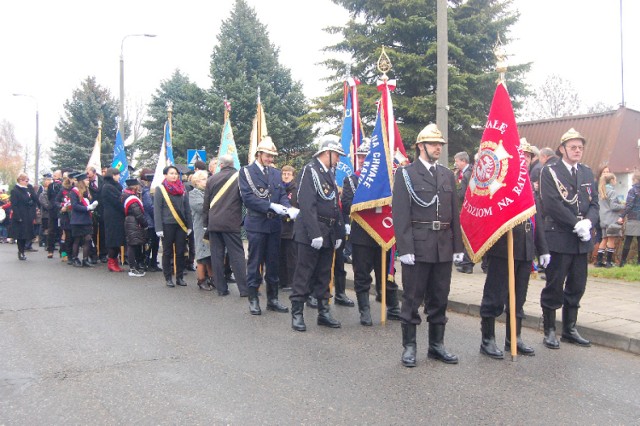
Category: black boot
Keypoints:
(569, 332)
(297, 319)
(341, 297)
(523, 349)
(549, 323)
(488, 346)
(21, 256)
(324, 315)
(365, 309)
(273, 304)
(609, 262)
(625, 253)
(169, 281)
(87, 263)
(600, 259)
(254, 302)
(312, 302)
(77, 263)
(436, 345)
(393, 307)
(181, 282)
(409, 345)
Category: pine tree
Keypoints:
(192, 123)
(77, 130)
(245, 60)
(407, 30)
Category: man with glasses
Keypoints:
(570, 207)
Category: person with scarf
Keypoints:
(202, 249)
(135, 227)
(172, 217)
(288, 252)
(23, 203)
(81, 220)
(113, 212)
(610, 208)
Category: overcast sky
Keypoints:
(48, 48)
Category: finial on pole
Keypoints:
(384, 64)
(169, 106)
(99, 124)
(501, 59)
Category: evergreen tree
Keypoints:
(245, 60)
(77, 130)
(408, 30)
(192, 124)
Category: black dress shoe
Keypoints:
(465, 269)
(21, 256)
(275, 305)
(93, 261)
(103, 259)
(223, 293)
(254, 306)
(230, 279)
(170, 283)
(76, 262)
(342, 300)
(191, 267)
(181, 282)
(153, 268)
(87, 263)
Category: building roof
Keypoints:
(612, 137)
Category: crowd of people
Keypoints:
(297, 229)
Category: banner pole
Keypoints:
(333, 271)
(383, 287)
(512, 297)
(122, 255)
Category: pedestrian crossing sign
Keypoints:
(194, 155)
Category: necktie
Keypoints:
(432, 170)
(574, 176)
(265, 170)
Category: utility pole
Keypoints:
(442, 85)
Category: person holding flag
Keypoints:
(570, 206)
(428, 239)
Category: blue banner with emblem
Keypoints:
(344, 168)
(120, 159)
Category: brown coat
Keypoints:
(226, 214)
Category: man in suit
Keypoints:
(570, 207)
(265, 197)
(318, 231)
(223, 225)
(428, 238)
(366, 252)
(461, 160)
(288, 249)
(95, 189)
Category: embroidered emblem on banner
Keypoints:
(490, 169)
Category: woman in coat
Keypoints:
(23, 204)
(172, 216)
(203, 252)
(135, 227)
(81, 220)
(610, 209)
(632, 213)
(113, 217)
(62, 202)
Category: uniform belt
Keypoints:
(527, 226)
(436, 225)
(268, 215)
(326, 220)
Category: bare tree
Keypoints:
(137, 111)
(10, 159)
(556, 97)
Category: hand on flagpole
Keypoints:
(347, 229)
(293, 212)
(278, 208)
(338, 242)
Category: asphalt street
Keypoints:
(81, 345)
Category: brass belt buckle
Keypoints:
(435, 225)
(527, 226)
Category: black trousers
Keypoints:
(313, 273)
(429, 283)
(288, 259)
(152, 247)
(232, 242)
(365, 260)
(495, 296)
(566, 281)
(174, 236)
(263, 249)
(54, 231)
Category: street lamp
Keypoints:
(37, 153)
(121, 121)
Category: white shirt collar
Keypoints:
(569, 166)
(427, 164)
(325, 168)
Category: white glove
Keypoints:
(347, 228)
(293, 212)
(91, 207)
(189, 231)
(338, 242)
(316, 243)
(278, 208)
(457, 257)
(408, 259)
(583, 226)
(544, 260)
(585, 236)
(160, 234)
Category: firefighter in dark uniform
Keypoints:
(366, 253)
(528, 239)
(265, 198)
(428, 239)
(570, 208)
(318, 231)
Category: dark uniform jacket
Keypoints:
(96, 194)
(528, 240)
(358, 234)
(135, 223)
(413, 224)
(560, 216)
(464, 183)
(318, 217)
(80, 215)
(226, 214)
(23, 204)
(52, 192)
(287, 222)
(113, 212)
(259, 217)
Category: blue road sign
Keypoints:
(194, 155)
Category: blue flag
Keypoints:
(120, 159)
(228, 146)
(168, 145)
(374, 185)
(344, 167)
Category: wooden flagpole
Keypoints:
(383, 287)
(512, 297)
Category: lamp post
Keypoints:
(121, 112)
(37, 153)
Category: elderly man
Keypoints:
(265, 197)
(428, 237)
(461, 160)
(223, 207)
(570, 208)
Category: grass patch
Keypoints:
(627, 273)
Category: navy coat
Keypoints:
(273, 190)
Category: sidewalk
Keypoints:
(609, 313)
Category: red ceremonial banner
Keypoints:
(499, 195)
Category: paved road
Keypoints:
(84, 346)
